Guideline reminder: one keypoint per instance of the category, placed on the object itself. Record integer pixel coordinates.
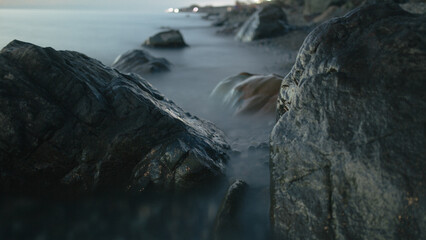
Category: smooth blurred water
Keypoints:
(195, 72)
(99, 34)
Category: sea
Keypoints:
(195, 71)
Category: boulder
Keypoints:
(226, 224)
(348, 149)
(141, 62)
(231, 21)
(247, 93)
(71, 124)
(267, 22)
(167, 39)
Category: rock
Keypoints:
(269, 21)
(226, 224)
(141, 62)
(249, 93)
(231, 21)
(348, 150)
(414, 7)
(315, 7)
(167, 39)
(71, 124)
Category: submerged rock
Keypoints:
(141, 62)
(70, 123)
(348, 150)
(167, 39)
(227, 223)
(269, 21)
(249, 93)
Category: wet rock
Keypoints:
(249, 93)
(167, 39)
(141, 62)
(269, 21)
(70, 123)
(347, 153)
(227, 223)
(414, 7)
(231, 21)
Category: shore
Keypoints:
(231, 138)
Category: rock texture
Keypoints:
(70, 123)
(226, 223)
(348, 150)
(269, 21)
(247, 93)
(141, 62)
(167, 39)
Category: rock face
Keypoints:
(226, 223)
(249, 93)
(269, 21)
(141, 62)
(348, 150)
(166, 39)
(70, 123)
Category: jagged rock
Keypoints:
(70, 123)
(226, 224)
(141, 62)
(348, 150)
(249, 93)
(269, 21)
(167, 39)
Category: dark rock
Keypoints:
(249, 93)
(231, 21)
(227, 223)
(141, 62)
(269, 21)
(70, 123)
(348, 150)
(167, 39)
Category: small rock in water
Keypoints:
(249, 93)
(141, 62)
(226, 224)
(269, 21)
(167, 39)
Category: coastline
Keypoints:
(189, 151)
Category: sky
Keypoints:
(154, 5)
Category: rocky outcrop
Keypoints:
(167, 39)
(269, 21)
(247, 93)
(348, 150)
(141, 62)
(227, 223)
(70, 123)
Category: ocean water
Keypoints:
(195, 72)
